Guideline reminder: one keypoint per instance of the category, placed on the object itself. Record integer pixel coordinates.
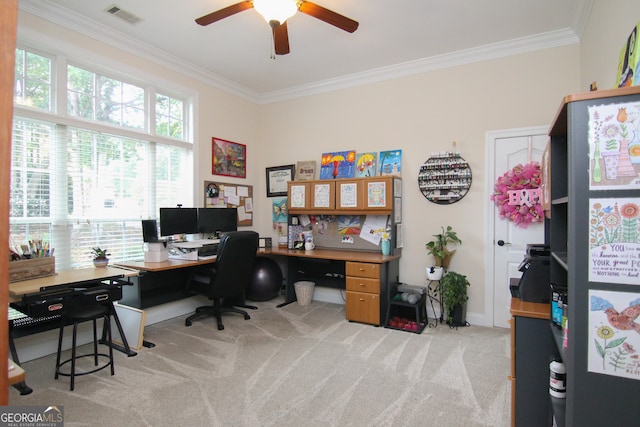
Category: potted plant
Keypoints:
(453, 288)
(100, 257)
(439, 247)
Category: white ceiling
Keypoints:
(395, 37)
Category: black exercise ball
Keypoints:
(266, 280)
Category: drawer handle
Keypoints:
(361, 269)
(361, 299)
(361, 284)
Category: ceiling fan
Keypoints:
(276, 13)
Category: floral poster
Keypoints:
(614, 334)
(337, 165)
(614, 146)
(614, 240)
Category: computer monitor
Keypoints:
(217, 220)
(178, 221)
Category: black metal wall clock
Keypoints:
(444, 178)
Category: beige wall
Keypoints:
(607, 30)
(423, 114)
(419, 114)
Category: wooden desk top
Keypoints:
(536, 310)
(171, 264)
(335, 254)
(66, 277)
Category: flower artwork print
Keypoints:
(337, 165)
(614, 333)
(614, 146)
(517, 195)
(614, 240)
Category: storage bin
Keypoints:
(304, 292)
(31, 269)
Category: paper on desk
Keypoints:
(372, 224)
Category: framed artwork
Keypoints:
(366, 164)
(390, 162)
(277, 179)
(340, 164)
(228, 158)
(306, 170)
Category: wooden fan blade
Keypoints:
(224, 13)
(328, 16)
(281, 39)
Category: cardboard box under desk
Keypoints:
(31, 268)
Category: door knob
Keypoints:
(502, 243)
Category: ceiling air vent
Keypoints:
(123, 14)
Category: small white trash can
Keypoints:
(304, 292)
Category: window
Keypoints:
(33, 78)
(78, 185)
(95, 97)
(169, 116)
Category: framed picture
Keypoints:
(228, 158)
(277, 178)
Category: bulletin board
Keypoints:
(227, 195)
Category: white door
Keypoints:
(509, 241)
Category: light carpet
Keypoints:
(290, 366)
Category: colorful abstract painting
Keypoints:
(390, 162)
(349, 224)
(340, 164)
(366, 164)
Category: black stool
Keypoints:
(78, 315)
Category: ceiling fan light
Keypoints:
(276, 10)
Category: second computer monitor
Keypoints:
(217, 220)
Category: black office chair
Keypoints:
(228, 278)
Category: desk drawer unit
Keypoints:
(363, 292)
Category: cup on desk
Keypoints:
(309, 246)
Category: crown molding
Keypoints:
(518, 46)
(75, 22)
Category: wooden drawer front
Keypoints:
(360, 284)
(362, 307)
(363, 269)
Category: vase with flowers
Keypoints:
(385, 240)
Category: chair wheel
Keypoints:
(246, 317)
(187, 323)
(220, 327)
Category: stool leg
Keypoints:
(95, 343)
(73, 354)
(59, 348)
(109, 342)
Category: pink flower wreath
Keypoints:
(519, 178)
